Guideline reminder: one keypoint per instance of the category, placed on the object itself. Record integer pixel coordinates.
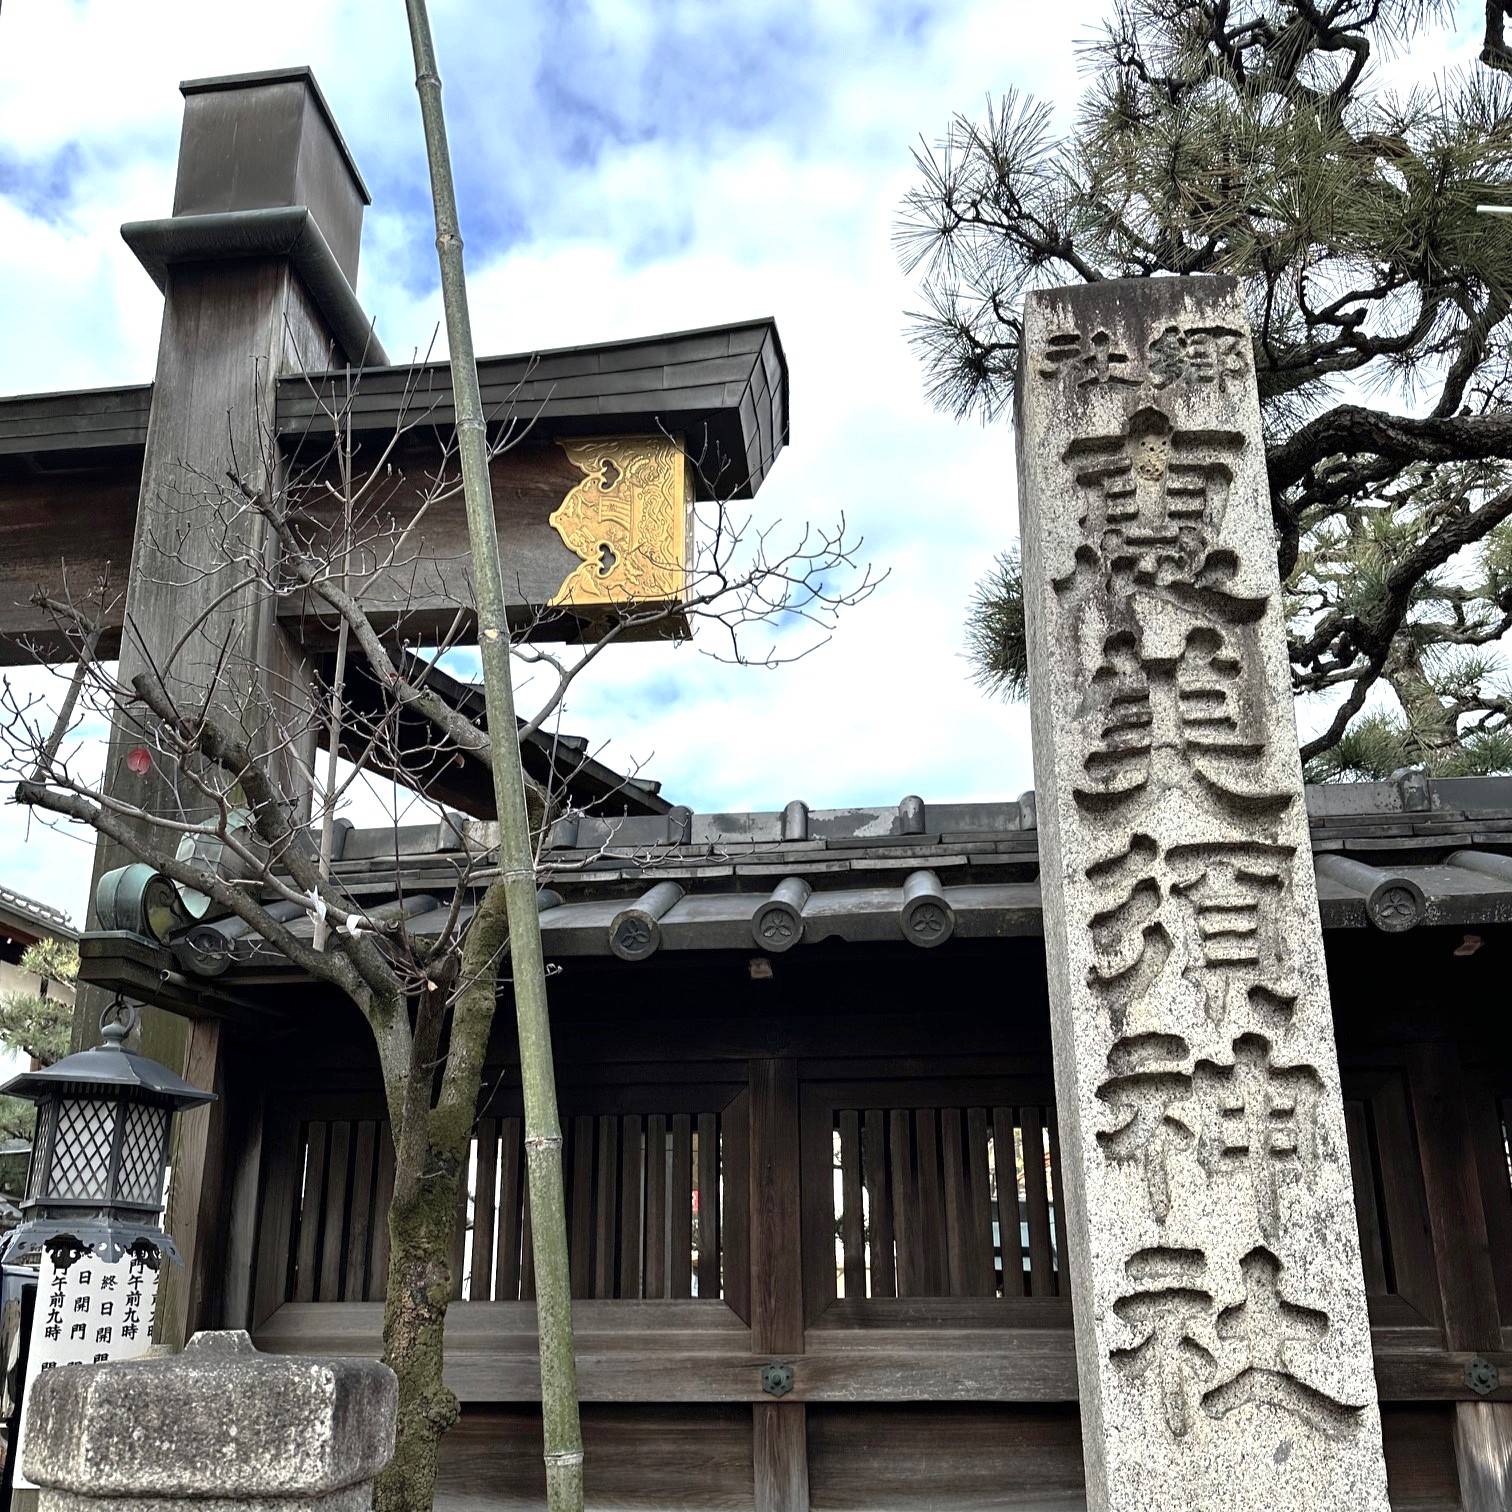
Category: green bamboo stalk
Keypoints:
(543, 1135)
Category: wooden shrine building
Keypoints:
(817, 1236)
(804, 1065)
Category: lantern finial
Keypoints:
(117, 1022)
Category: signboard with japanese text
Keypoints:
(88, 1311)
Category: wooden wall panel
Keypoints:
(944, 1459)
(1419, 1443)
(688, 1459)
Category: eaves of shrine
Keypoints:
(1428, 859)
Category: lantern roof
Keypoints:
(109, 1068)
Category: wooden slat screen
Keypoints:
(645, 1209)
(1390, 1205)
(1365, 1164)
(947, 1202)
(926, 1205)
(1504, 1111)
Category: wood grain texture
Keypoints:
(817, 1198)
(884, 1275)
(1367, 1212)
(935, 1281)
(359, 1245)
(780, 1455)
(580, 1211)
(480, 1277)
(1041, 1264)
(632, 1207)
(852, 1224)
(279, 1205)
(1451, 1181)
(383, 1200)
(946, 1349)
(1413, 1275)
(1010, 1234)
(1483, 1455)
(637, 1459)
(680, 1209)
(944, 1458)
(246, 1151)
(606, 1206)
(708, 1205)
(71, 530)
(1058, 1212)
(656, 1206)
(907, 1220)
(957, 1213)
(735, 1215)
(510, 1222)
(1485, 1112)
(199, 1194)
(333, 1222)
(980, 1277)
(777, 1301)
(307, 1252)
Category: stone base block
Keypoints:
(348, 1499)
(217, 1427)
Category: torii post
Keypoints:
(263, 341)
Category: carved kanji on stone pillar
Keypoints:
(1222, 1338)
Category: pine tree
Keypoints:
(1255, 138)
(37, 1024)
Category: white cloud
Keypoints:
(625, 169)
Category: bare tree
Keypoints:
(250, 757)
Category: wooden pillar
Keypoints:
(191, 1296)
(1462, 1262)
(779, 1427)
(256, 265)
(1483, 1455)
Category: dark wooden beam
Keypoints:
(779, 1428)
(558, 762)
(724, 387)
(71, 472)
(1442, 1094)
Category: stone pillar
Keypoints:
(219, 1426)
(1223, 1346)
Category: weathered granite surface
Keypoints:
(1222, 1337)
(219, 1426)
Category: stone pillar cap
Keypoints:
(219, 1420)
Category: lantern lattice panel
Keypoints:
(40, 1141)
(142, 1143)
(81, 1149)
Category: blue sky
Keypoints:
(624, 167)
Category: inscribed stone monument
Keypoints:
(1223, 1345)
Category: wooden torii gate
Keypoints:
(263, 345)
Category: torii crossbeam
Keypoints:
(263, 338)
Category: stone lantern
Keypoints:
(101, 1145)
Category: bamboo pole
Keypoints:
(543, 1136)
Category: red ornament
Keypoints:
(139, 759)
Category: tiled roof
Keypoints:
(1392, 856)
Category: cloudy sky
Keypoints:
(624, 167)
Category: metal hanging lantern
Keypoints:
(101, 1146)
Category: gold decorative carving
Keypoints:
(627, 520)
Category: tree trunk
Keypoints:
(414, 1318)
(1431, 725)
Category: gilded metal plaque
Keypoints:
(627, 520)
